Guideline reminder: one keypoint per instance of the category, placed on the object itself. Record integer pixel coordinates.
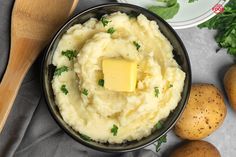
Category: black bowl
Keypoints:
(180, 54)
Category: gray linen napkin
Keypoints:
(30, 130)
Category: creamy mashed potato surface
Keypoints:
(92, 110)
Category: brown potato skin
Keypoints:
(230, 85)
(196, 149)
(204, 113)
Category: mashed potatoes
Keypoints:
(109, 116)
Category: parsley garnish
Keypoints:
(104, 21)
(161, 140)
(168, 12)
(136, 44)
(114, 130)
(171, 85)
(70, 54)
(101, 82)
(85, 91)
(191, 1)
(60, 70)
(159, 125)
(64, 89)
(85, 137)
(111, 30)
(225, 24)
(156, 90)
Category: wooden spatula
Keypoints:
(33, 24)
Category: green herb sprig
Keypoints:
(111, 30)
(156, 91)
(70, 54)
(159, 125)
(85, 137)
(64, 89)
(225, 24)
(104, 21)
(60, 70)
(136, 44)
(163, 139)
(191, 1)
(85, 92)
(101, 82)
(114, 130)
(168, 12)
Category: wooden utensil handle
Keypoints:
(15, 72)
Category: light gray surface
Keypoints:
(208, 67)
(30, 130)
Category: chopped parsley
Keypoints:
(159, 125)
(171, 85)
(60, 70)
(70, 54)
(85, 137)
(114, 130)
(161, 140)
(104, 21)
(64, 89)
(101, 82)
(111, 30)
(156, 90)
(85, 91)
(136, 44)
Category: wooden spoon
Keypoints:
(33, 24)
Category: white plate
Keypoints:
(189, 15)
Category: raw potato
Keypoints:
(196, 149)
(230, 85)
(203, 114)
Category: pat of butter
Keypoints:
(119, 74)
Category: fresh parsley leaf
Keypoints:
(156, 90)
(231, 4)
(168, 2)
(114, 130)
(101, 82)
(225, 24)
(64, 89)
(70, 54)
(136, 44)
(228, 40)
(85, 91)
(60, 70)
(159, 125)
(161, 140)
(85, 137)
(166, 12)
(191, 1)
(111, 30)
(104, 21)
(232, 51)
